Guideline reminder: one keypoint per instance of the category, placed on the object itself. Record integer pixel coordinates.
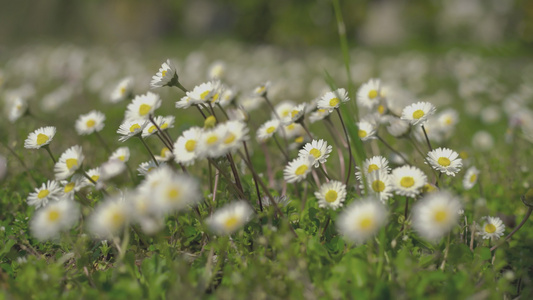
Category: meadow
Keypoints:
(251, 172)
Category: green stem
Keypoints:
(149, 151)
(349, 147)
(47, 147)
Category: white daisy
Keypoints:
(375, 163)
(319, 115)
(153, 179)
(367, 130)
(69, 162)
(75, 184)
(418, 113)
(435, 215)
(122, 91)
(90, 122)
(445, 160)
(297, 169)
(237, 114)
(293, 130)
(471, 177)
(227, 96)
(492, 228)
(164, 155)
(49, 191)
(236, 133)
(379, 184)
(146, 167)
(296, 114)
(48, 222)
(217, 70)
(185, 148)
(166, 76)
(40, 137)
(211, 141)
(130, 129)
(110, 169)
(94, 174)
(362, 219)
(331, 194)
(163, 123)
(19, 108)
(122, 154)
(397, 127)
(203, 93)
(262, 89)
(447, 120)
(318, 151)
(184, 102)
(408, 180)
(230, 218)
(267, 130)
(283, 110)
(109, 217)
(368, 95)
(332, 100)
(175, 193)
(142, 107)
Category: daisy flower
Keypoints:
(447, 120)
(184, 102)
(230, 218)
(418, 113)
(379, 184)
(367, 130)
(362, 220)
(175, 193)
(19, 107)
(217, 70)
(49, 191)
(164, 155)
(89, 123)
(262, 89)
(283, 110)
(146, 167)
(40, 137)
(110, 169)
(185, 151)
(296, 114)
(163, 123)
(267, 130)
(94, 174)
(470, 179)
(332, 100)
(237, 114)
(109, 217)
(319, 115)
(166, 76)
(368, 94)
(492, 228)
(318, 151)
(122, 154)
(408, 180)
(142, 107)
(435, 215)
(375, 163)
(203, 92)
(331, 194)
(75, 184)
(236, 133)
(130, 129)
(69, 162)
(227, 96)
(210, 143)
(154, 178)
(140, 213)
(445, 160)
(122, 91)
(297, 169)
(397, 127)
(49, 221)
(294, 130)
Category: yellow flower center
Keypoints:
(260, 89)
(299, 139)
(290, 127)
(122, 158)
(95, 178)
(229, 139)
(204, 95)
(490, 228)
(212, 139)
(444, 161)
(71, 163)
(448, 121)
(164, 152)
(473, 178)
(135, 127)
(43, 194)
(270, 129)
(116, 219)
(164, 126)
(372, 94)
(381, 109)
(122, 90)
(378, 186)
(210, 122)
(321, 110)
(315, 152)
(334, 101)
(163, 73)
(362, 133)
(173, 194)
(285, 113)
(294, 113)
(231, 222)
(53, 215)
(372, 168)
(440, 216)
(301, 170)
(69, 187)
(144, 109)
(418, 114)
(407, 182)
(41, 139)
(152, 129)
(90, 123)
(190, 145)
(331, 196)
(463, 154)
(365, 223)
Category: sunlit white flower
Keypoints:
(445, 160)
(164, 155)
(297, 169)
(163, 123)
(109, 217)
(203, 92)
(142, 107)
(237, 114)
(375, 163)
(69, 162)
(185, 148)
(262, 89)
(267, 130)
(40, 137)
(165, 76)
(111, 168)
(122, 154)
(366, 130)
(447, 119)
(418, 113)
(175, 193)
(48, 222)
(19, 107)
(49, 191)
(471, 177)
(130, 129)
(435, 215)
(368, 95)
(296, 113)
(331, 194)
(217, 70)
(146, 167)
(397, 127)
(236, 134)
(318, 151)
(379, 184)
(362, 219)
(210, 143)
(94, 174)
(227, 96)
(408, 180)
(293, 130)
(184, 102)
(491, 228)
(318, 115)
(332, 100)
(482, 140)
(283, 110)
(75, 184)
(122, 91)
(230, 218)
(90, 122)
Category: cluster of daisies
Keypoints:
(167, 187)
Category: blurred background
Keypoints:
(289, 23)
